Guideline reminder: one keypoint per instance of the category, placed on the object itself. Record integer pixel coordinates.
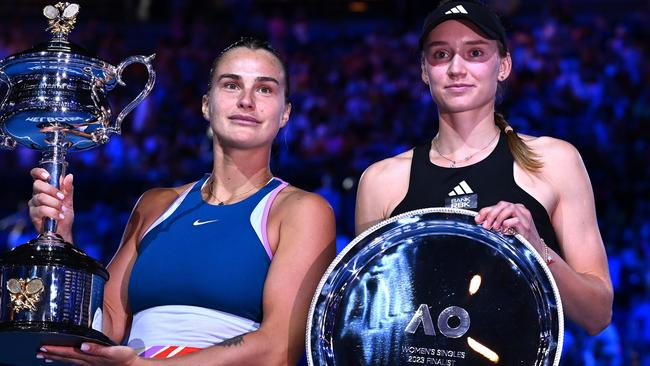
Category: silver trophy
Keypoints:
(56, 101)
(431, 287)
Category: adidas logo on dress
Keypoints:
(457, 10)
(461, 188)
(462, 196)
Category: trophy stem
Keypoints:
(54, 162)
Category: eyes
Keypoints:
(473, 54)
(476, 53)
(265, 89)
(230, 85)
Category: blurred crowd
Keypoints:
(579, 74)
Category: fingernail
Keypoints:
(43, 349)
(84, 347)
(61, 216)
(64, 209)
(60, 195)
(45, 175)
(47, 360)
(39, 356)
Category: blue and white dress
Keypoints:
(199, 275)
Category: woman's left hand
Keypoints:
(510, 219)
(90, 354)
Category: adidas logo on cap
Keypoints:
(459, 9)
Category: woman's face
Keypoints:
(462, 67)
(246, 104)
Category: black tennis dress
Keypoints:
(471, 187)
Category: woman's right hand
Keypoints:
(47, 201)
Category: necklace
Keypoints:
(232, 197)
(454, 162)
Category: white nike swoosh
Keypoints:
(198, 222)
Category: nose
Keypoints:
(246, 100)
(456, 67)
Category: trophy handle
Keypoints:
(103, 114)
(146, 61)
(6, 142)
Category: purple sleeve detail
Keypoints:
(265, 216)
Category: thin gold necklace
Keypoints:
(454, 162)
(234, 196)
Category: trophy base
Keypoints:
(19, 343)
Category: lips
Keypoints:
(242, 118)
(458, 86)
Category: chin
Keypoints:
(457, 108)
(246, 143)
(460, 106)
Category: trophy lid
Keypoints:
(61, 18)
(55, 46)
(59, 53)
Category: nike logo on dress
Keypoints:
(199, 222)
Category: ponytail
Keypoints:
(523, 155)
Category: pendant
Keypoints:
(453, 164)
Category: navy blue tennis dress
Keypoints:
(199, 274)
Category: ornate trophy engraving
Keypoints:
(25, 294)
(56, 101)
(430, 287)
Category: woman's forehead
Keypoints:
(456, 30)
(244, 61)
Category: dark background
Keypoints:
(580, 74)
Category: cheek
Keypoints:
(219, 103)
(489, 71)
(271, 108)
(437, 73)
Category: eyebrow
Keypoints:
(258, 79)
(470, 43)
(477, 42)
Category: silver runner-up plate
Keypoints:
(431, 287)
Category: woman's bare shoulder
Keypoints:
(561, 160)
(156, 200)
(397, 166)
(297, 213)
(293, 200)
(551, 149)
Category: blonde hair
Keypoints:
(523, 155)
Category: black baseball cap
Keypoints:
(480, 15)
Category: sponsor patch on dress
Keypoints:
(462, 201)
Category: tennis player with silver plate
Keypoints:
(431, 287)
(56, 101)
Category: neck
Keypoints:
(235, 172)
(463, 133)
